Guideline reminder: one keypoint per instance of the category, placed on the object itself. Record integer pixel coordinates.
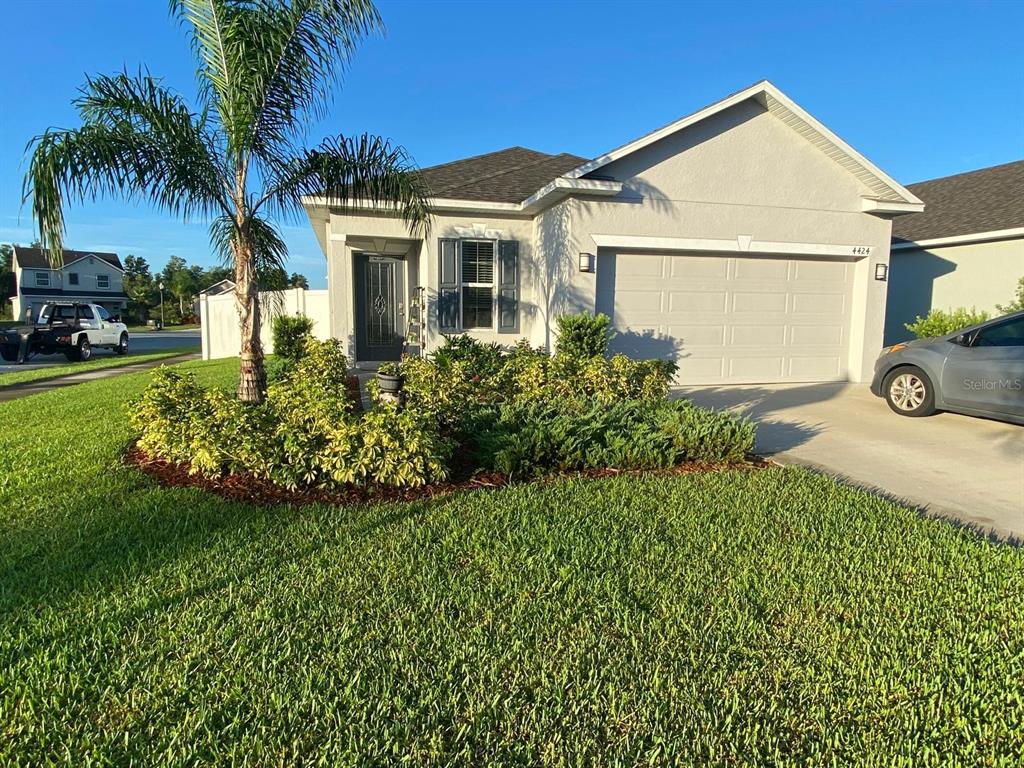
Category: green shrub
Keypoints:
(478, 358)
(583, 335)
(290, 335)
(534, 439)
(304, 434)
(941, 323)
(1017, 304)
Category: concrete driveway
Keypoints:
(948, 465)
(141, 343)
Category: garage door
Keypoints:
(731, 319)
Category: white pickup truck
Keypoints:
(70, 328)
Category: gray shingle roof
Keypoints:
(34, 258)
(978, 201)
(507, 176)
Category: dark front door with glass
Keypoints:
(380, 308)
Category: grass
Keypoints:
(98, 362)
(743, 618)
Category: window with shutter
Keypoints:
(478, 279)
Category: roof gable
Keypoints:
(985, 200)
(882, 186)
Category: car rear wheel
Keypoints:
(84, 349)
(122, 345)
(909, 392)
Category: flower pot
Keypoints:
(390, 385)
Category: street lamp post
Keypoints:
(161, 286)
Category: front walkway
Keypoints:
(961, 467)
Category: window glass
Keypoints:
(102, 281)
(477, 266)
(72, 278)
(477, 262)
(104, 315)
(1009, 334)
(476, 307)
(42, 279)
(84, 312)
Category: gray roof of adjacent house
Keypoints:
(507, 176)
(985, 200)
(35, 258)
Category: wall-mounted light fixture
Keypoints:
(881, 271)
(586, 262)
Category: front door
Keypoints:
(380, 308)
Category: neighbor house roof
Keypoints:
(506, 176)
(35, 258)
(988, 200)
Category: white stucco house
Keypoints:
(966, 250)
(87, 276)
(746, 240)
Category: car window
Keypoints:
(85, 313)
(1008, 334)
(104, 315)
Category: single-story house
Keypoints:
(746, 240)
(87, 276)
(965, 250)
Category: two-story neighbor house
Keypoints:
(85, 276)
(746, 241)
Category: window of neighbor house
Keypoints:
(103, 281)
(42, 279)
(72, 278)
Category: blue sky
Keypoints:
(922, 89)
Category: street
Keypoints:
(141, 343)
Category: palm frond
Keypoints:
(344, 171)
(210, 27)
(139, 142)
(268, 248)
(298, 52)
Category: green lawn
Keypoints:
(99, 361)
(741, 618)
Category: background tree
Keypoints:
(298, 281)
(140, 287)
(7, 283)
(1018, 300)
(264, 68)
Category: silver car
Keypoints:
(978, 371)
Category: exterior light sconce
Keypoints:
(586, 262)
(881, 271)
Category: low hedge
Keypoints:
(521, 413)
(305, 433)
(534, 439)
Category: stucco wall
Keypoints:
(742, 173)
(978, 275)
(350, 233)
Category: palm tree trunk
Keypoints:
(252, 381)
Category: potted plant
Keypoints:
(389, 378)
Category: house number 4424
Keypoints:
(861, 250)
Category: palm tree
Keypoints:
(264, 68)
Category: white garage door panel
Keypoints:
(731, 319)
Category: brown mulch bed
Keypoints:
(260, 492)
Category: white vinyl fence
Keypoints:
(219, 318)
